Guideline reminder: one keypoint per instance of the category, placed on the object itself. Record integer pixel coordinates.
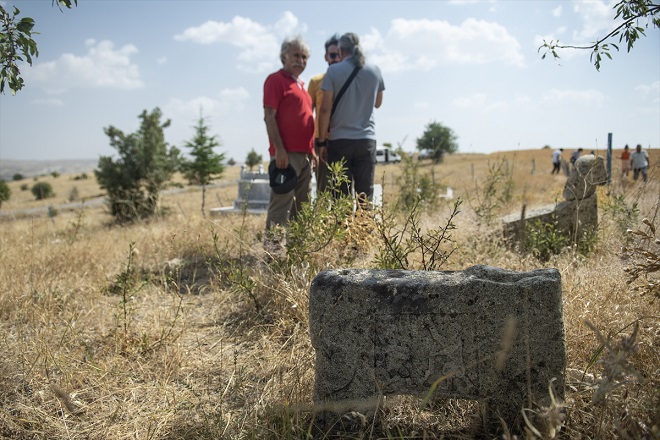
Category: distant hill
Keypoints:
(31, 168)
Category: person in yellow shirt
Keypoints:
(314, 90)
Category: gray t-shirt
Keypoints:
(354, 115)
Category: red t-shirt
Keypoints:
(295, 120)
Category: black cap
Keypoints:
(282, 180)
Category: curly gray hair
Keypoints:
(291, 42)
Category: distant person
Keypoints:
(290, 126)
(576, 155)
(640, 163)
(556, 160)
(352, 89)
(314, 90)
(625, 162)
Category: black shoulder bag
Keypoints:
(343, 89)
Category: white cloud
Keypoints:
(557, 11)
(425, 44)
(238, 94)
(479, 101)
(650, 91)
(50, 102)
(590, 97)
(596, 16)
(227, 100)
(259, 44)
(161, 60)
(101, 67)
(190, 108)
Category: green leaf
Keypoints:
(25, 25)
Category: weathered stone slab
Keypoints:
(576, 215)
(589, 172)
(573, 218)
(385, 332)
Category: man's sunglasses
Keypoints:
(333, 55)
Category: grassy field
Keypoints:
(181, 328)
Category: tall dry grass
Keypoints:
(151, 331)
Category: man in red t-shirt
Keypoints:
(290, 125)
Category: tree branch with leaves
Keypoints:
(630, 30)
(17, 45)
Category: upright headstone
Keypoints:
(484, 333)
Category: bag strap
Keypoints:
(343, 89)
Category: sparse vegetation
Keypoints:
(493, 192)
(42, 190)
(74, 194)
(137, 332)
(416, 188)
(5, 192)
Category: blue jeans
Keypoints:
(360, 162)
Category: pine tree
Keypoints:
(206, 164)
(134, 180)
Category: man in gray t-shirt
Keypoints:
(640, 163)
(348, 133)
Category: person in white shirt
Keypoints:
(556, 160)
(639, 161)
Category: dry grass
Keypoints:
(177, 350)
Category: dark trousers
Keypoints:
(555, 167)
(359, 157)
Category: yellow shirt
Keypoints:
(314, 90)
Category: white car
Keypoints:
(424, 154)
(386, 155)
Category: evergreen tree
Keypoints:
(253, 159)
(206, 165)
(145, 164)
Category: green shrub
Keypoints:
(624, 216)
(134, 180)
(74, 194)
(408, 247)
(42, 190)
(493, 192)
(24, 187)
(5, 192)
(545, 239)
(18, 176)
(415, 189)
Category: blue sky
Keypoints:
(473, 66)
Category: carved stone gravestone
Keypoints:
(484, 333)
(577, 215)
